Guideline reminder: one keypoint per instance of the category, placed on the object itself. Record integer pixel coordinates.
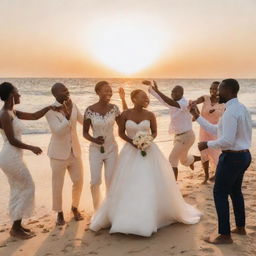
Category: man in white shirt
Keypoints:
(234, 132)
(180, 126)
(64, 150)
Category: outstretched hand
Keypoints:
(149, 83)
(194, 111)
(121, 93)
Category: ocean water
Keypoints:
(36, 93)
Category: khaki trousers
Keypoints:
(75, 168)
(182, 144)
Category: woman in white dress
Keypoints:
(22, 187)
(143, 196)
(103, 150)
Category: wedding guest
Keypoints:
(212, 111)
(180, 126)
(22, 188)
(103, 150)
(234, 133)
(64, 150)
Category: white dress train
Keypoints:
(22, 188)
(143, 196)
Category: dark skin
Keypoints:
(6, 119)
(176, 95)
(137, 114)
(214, 99)
(224, 94)
(102, 107)
(62, 95)
(122, 97)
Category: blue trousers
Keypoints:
(229, 177)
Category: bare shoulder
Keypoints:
(125, 113)
(150, 114)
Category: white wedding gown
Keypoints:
(143, 196)
(22, 188)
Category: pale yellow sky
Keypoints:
(139, 38)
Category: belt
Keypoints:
(182, 133)
(234, 151)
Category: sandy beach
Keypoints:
(76, 239)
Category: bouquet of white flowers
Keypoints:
(142, 141)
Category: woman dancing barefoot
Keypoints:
(22, 187)
(212, 112)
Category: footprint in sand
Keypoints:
(251, 227)
(138, 250)
(207, 250)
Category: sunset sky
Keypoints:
(137, 38)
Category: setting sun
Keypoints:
(126, 45)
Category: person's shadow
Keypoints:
(51, 243)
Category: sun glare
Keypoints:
(126, 45)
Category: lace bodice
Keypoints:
(132, 128)
(18, 128)
(103, 125)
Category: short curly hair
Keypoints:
(6, 89)
(99, 85)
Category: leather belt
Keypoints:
(234, 151)
(181, 133)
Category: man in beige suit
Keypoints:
(64, 150)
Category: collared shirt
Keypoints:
(234, 130)
(181, 120)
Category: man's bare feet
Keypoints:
(21, 234)
(220, 239)
(77, 214)
(240, 231)
(204, 182)
(196, 159)
(192, 166)
(60, 219)
(212, 179)
(26, 229)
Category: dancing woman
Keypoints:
(22, 188)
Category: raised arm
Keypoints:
(122, 97)
(199, 100)
(34, 116)
(153, 89)
(57, 126)
(6, 122)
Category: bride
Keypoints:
(143, 195)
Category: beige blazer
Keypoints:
(64, 134)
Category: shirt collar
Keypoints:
(232, 101)
(56, 103)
